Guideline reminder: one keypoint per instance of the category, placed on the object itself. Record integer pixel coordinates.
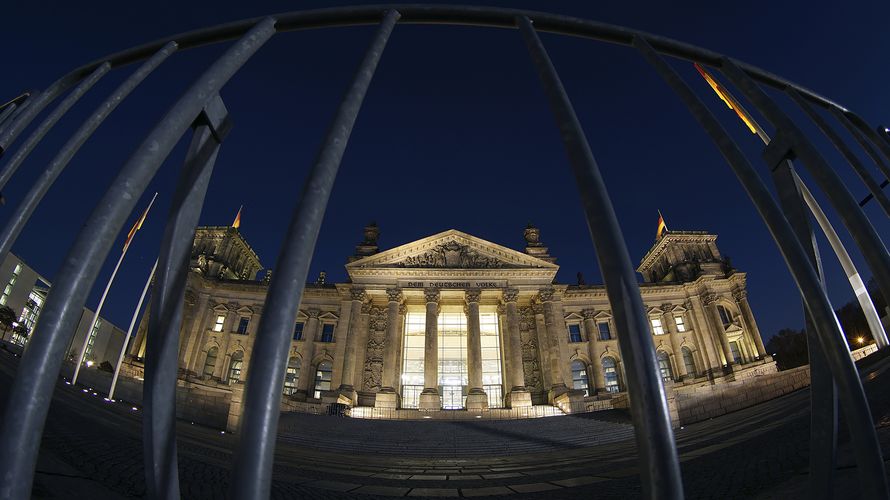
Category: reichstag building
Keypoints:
(452, 321)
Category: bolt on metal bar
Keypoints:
(49, 122)
(659, 465)
(26, 209)
(265, 378)
(846, 376)
(165, 313)
(791, 141)
(839, 144)
(29, 398)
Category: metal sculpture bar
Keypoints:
(30, 397)
(7, 114)
(22, 153)
(659, 465)
(865, 442)
(23, 212)
(165, 316)
(848, 155)
(35, 104)
(860, 129)
(262, 400)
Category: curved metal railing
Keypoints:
(201, 108)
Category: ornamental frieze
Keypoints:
(452, 255)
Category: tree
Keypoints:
(789, 347)
(7, 318)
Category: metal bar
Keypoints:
(823, 391)
(848, 155)
(868, 197)
(865, 137)
(35, 104)
(791, 141)
(30, 395)
(6, 114)
(165, 313)
(659, 465)
(862, 431)
(49, 122)
(262, 397)
(23, 212)
(120, 358)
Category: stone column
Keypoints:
(546, 351)
(710, 302)
(347, 383)
(519, 395)
(741, 298)
(310, 332)
(387, 397)
(593, 338)
(138, 347)
(361, 345)
(668, 322)
(195, 333)
(558, 340)
(704, 339)
(430, 398)
(476, 397)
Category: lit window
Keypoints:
(298, 331)
(412, 357)
(610, 374)
(575, 333)
(657, 328)
(292, 376)
(242, 325)
(579, 376)
(452, 330)
(88, 354)
(218, 326)
(664, 366)
(681, 326)
(605, 331)
(210, 361)
(322, 379)
(327, 332)
(492, 380)
(235, 366)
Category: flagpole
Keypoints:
(120, 358)
(859, 288)
(89, 332)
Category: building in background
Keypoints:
(452, 321)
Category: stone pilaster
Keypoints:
(704, 338)
(347, 383)
(519, 395)
(430, 399)
(361, 344)
(476, 397)
(596, 366)
(710, 302)
(741, 298)
(196, 335)
(388, 396)
(556, 331)
(667, 319)
(310, 332)
(546, 351)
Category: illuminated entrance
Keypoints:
(453, 357)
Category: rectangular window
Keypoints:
(605, 331)
(298, 331)
(218, 326)
(657, 328)
(88, 354)
(492, 379)
(242, 325)
(412, 357)
(736, 352)
(452, 329)
(327, 332)
(575, 333)
(681, 326)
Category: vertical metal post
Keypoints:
(28, 403)
(265, 377)
(659, 465)
(873, 187)
(32, 107)
(23, 212)
(16, 160)
(862, 431)
(165, 313)
(791, 141)
(120, 358)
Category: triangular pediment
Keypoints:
(451, 249)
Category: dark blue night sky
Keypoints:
(455, 131)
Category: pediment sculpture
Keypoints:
(452, 255)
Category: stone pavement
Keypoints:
(92, 448)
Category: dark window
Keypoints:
(579, 377)
(725, 317)
(664, 366)
(605, 331)
(242, 326)
(575, 333)
(327, 333)
(689, 361)
(298, 331)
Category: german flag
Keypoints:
(662, 227)
(138, 225)
(237, 222)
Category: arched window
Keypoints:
(579, 376)
(725, 316)
(292, 376)
(688, 361)
(210, 361)
(664, 366)
(322, 379)
(235, 366)
(610, 374)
